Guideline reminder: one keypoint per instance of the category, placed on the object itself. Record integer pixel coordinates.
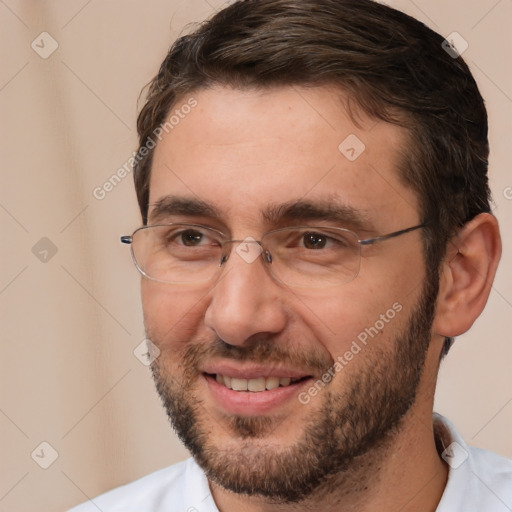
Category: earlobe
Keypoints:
(467, 274)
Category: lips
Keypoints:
(252, 389)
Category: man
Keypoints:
(312, 178)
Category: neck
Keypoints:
(404, 473)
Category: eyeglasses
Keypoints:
(302, 256)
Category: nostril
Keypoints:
(268, 256)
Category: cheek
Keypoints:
(171, 314)
(357, 313)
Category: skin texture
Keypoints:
(240, 152)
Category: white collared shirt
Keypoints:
(478, 481)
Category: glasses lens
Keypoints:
(177, 253)
(313, 257)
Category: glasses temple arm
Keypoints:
(369, 241)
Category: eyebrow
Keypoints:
(291, 212)
(182, 206)
(318, 210)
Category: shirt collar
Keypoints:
(472, 485)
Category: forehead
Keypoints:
(243, 150)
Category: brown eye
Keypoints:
(314, 241)
(191, 237)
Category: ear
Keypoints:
(466, 275)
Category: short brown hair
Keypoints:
(392, 66)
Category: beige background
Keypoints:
(69, 325)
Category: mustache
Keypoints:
(261, 350)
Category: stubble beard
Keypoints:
(363, 417)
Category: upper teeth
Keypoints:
(258, 384)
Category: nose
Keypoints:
(245, 301)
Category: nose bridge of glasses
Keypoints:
(249, 249)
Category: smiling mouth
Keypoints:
(255, 385)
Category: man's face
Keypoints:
(246, 154)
